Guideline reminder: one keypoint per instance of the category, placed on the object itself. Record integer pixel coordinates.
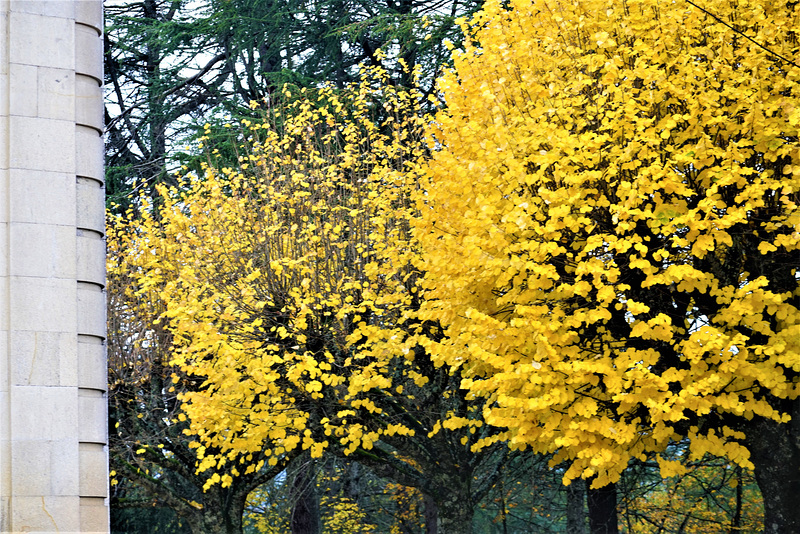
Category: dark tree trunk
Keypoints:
(602, 503)
(736, 521)
(431, 515)
(775, 453)
(352, 486)
(503, 507)
(305, 505)
(455, 514)
(216, 517)
(446, 482)
(221, 513)
(453, 498)
(234, 511)
(576, 507)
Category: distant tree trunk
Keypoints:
(352, 486)
(454, 505)
(775, 453)
(222, 513)
(503, 507)
(305, 505)
(445, 483)
(431, 515)
(576, 507)
(455, 515)
(602, 504)
(736, 520)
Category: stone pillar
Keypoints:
(53, 436)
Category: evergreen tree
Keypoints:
(172, 65)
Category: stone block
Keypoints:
(88, 52)
(40, 304)
(94, 515)
(5, 422)
(5, 451)
(27, 459)
(51, 8)
(50, 413)
(91, 310)
(41, 467)
(90, 205)
(42, 144)
(89, 153)
(46, 514)
(65, 463)
(4, 96)
(4, 295)
(42, 250)
(42, 197)
(5, 511)
(90, 13)
(4, 383)
(3, 249)
(94, 470)
(43, 359)
(92, 363)
(93, 413)
(3, 46)
(4, 172)
(41, 40)
(88, 102)
(22, 93)
(56, 93)
(91, 258)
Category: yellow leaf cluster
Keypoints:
(610, 227)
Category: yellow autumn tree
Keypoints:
(151, 461)
(610, 232)
(285, 281)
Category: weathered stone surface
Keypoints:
(88, 14)
(51, 8)
(90, 246)
(3, 257)
(94, 514)
(34, 365)
(55, 93)
(41, 197)
(42, 304)
(89, 162)
(46, 514)
(92, 414)
(42, 250)
(30, 479)
(91, 205)
(53, 413)
(44, 41)
(88, 100)
(91, 310)
(91, 363)
(86, 40)
(21, 80)
(93, 470)
(41, 144)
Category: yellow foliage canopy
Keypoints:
(283, 279)
(610, 224)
